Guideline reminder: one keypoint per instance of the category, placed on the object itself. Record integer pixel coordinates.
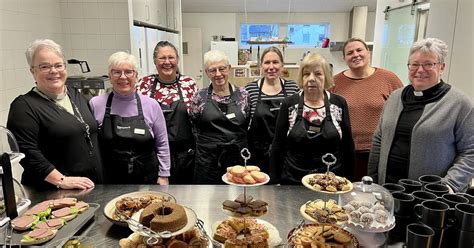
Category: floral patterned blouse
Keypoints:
(168, 93)
(199, 101)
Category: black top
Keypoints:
(52, 138)
(413, 106)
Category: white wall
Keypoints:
(87, 30)
(450, 21)
(228, 24)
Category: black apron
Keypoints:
(306, 147)
(221, 136)
(180, 136)
(128, 148)
(262, 128)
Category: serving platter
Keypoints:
(310, 218)
(274, 238)
(190, 214)
(110, 209)
(305, 181)
(292, 236)
(225, 180)
(65, 232)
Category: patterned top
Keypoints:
(254, 87)
(199, 101)
(316, 116)
(167, 93)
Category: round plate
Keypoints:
(374, 228)
(310, 218)
(224, 178)
(192, 219)
(109, 209)
(354, 243)
(274, 238)
(306, 178)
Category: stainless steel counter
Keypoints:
(206, 200)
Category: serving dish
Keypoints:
(305, 180)
(274, 238)
(307, 216)
(225, 180)
(190, 214)
(297, 235)
(110, 209)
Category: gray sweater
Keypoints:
(442, 141)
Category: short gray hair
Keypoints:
(431, 45)
(120, 58)
(39, 45)
(215, 56)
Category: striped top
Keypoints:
(254, 87)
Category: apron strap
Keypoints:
(109, 104)
(209, 92)
(157, 80)
(326, 106)
(261, 80)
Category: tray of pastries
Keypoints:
(245, 205)
(245, 232)
(249, 175)
(321, 236)
(191, 238)
(130, 203)
(367, 216)
(327, 183)
(320, 211)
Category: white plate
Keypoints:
(224, 178)
(192, 219)
(310, 218)
(109, 209)
(274, 238)
(306, 178)
(375, 227)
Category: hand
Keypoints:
(77, 183)
(163, 181)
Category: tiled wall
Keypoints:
(88, 30)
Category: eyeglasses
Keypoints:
(426, 66)
(222, 70)
(48, 67)
(170, 59)
(118, 73)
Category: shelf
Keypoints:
(268, 42)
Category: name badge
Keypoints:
(139, 131)
(230, 116)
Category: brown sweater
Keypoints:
(366, 98)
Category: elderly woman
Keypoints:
(426, 127)
(173, 92)
(220, 115)
(54, 126)
(310, 124)
(134, 143)
(266, 95)
(366, 89)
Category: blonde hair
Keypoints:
(120, 58)
(215, 56)
(41, 44)
(313, 59)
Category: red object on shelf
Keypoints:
(325, 43)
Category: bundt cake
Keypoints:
(165, 216)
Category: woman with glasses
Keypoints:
(174, 92)
(266, 95)
(366, 89)
(310, 124)
(132, 129)
(220, 115)
(54, 127)
(426, 127)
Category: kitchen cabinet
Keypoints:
(163, 13)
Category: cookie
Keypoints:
(342, 237)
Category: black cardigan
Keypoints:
(51, 138)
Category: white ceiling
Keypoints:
(240, 6)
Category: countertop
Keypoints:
(206, 200)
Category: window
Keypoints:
(258, 31)
(307, 35)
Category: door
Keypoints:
(139, 49)
(192, 54)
